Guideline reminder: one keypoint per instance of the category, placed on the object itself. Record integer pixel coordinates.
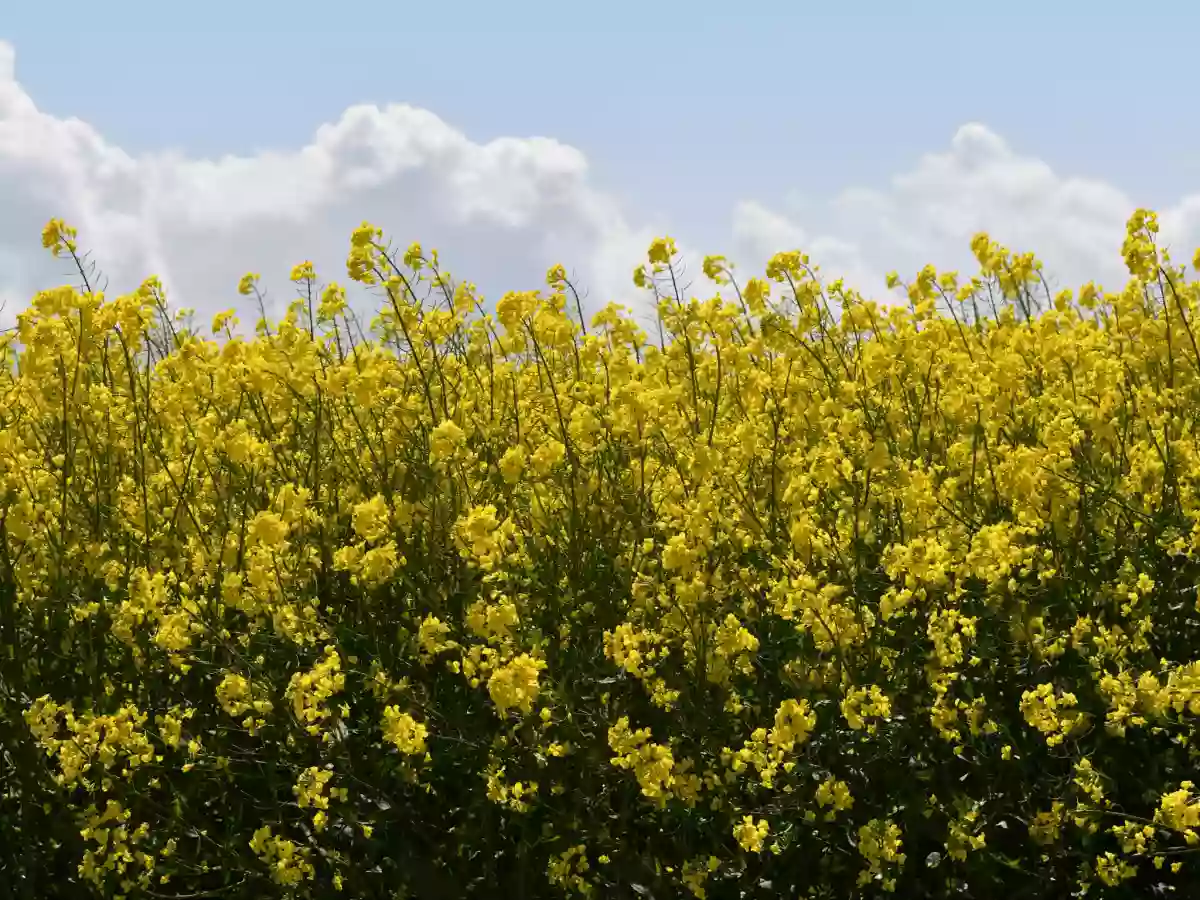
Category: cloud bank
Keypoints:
(501, 211)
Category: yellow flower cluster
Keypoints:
(312, 790)
(835, 794)
(517, 796)
(652, 764)
(879, 843)
(514, 685)
(1180, 811)
(116, 851)
(288, 863)
(309, 691)
(483, 539)
(170, 726)
(1137, 701)
(1052, 713)
(768, 751)
(750, 834)
(404, 732)
(848, 581)
(238, 697)
(431, 636)
(116, 743)
(861, 705)
(964, 835)
(493, 621)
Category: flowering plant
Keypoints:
(803, 596)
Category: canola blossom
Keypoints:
(800, 595)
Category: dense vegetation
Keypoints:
(800, 595)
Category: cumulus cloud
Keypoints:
(500, 212)
(759, 233)
(980, 183)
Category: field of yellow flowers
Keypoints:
(797, 596)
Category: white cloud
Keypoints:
(759, 233)
(500, 212)
(929, 214)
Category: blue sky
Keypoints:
(683, 111)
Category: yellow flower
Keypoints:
(515, 684)
(221, 319)
(446, 438)
(512, 463)
(402, 730)
(714, 268)
(750, 835)
(303, 272)
(333, 302)
(661, 251)
(248, 283)
(57, 236)
(371, 518)
(267, 528)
